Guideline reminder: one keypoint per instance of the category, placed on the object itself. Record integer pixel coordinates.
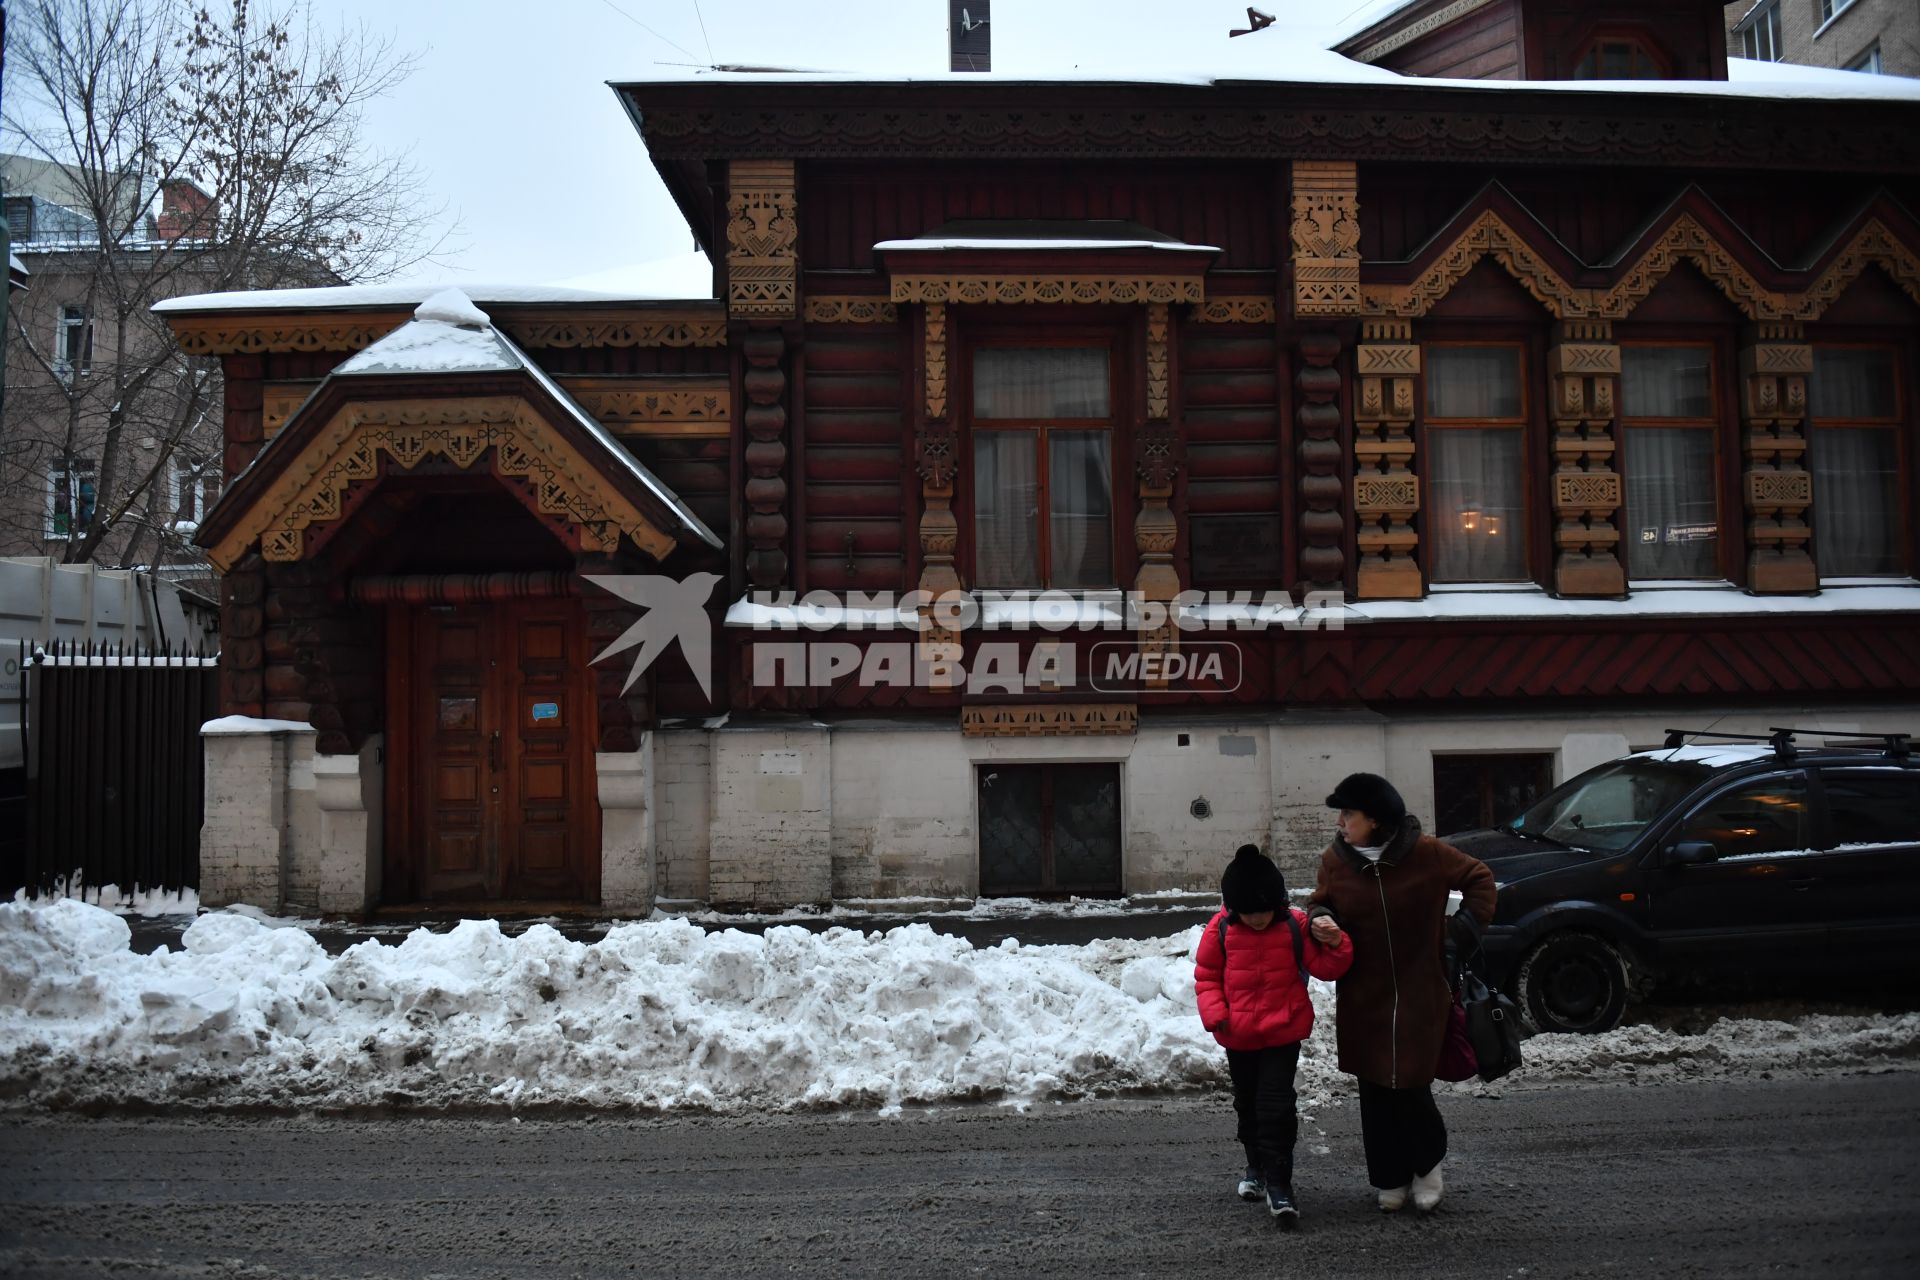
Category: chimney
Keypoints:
(968, 35)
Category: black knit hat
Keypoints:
(1373, 795)
(1252, 883)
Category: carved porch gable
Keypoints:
(1487, 236)
(363, 439)
(763, 237)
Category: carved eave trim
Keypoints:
(1017, 720)
(656, 406)
(363, 439)
(1041, 289)
(258, 333)
(1241, 310)
(1406, 35)
(852, 309)
(1685, 239)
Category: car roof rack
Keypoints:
(1897, 746)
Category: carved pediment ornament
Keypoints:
(763, 236)
(313, 487)
(1687, 239)
(220, 335)
(1020, 290)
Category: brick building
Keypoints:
(1881, 36)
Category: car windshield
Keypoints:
(1608, 807)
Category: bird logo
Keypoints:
(676, 609)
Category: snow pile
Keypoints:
(663, 1014)
(131, 902)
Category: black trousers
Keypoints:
(1402, 1132)
(1263, 1099)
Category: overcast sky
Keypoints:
(510, 117)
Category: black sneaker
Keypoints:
(1286, 1214)
(1252, 1185)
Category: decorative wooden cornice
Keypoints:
(861, 309)
(655, 406)
(665, 327)
(1017, 290)
(1233, 311)
(1089, 719)
(1370, 122)
(352, 446)
(258, 333)
(763, 260)
(1685, 239)
(1326, 238)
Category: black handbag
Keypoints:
(1493, 1025)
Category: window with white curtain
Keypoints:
(1672, 522)
(1043, 467)
(1476, 523)
(1853, 447)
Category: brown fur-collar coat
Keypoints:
(1392, 1008)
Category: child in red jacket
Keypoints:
(1251, 979)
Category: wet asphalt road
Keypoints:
(1803, 1177)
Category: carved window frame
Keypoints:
(1526, 358)
(1022, 332)
(1726, 535)
(1899, 423)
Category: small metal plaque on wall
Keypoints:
(1235, 551)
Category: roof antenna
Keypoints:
(1260, 22)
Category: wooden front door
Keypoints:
(500, 801)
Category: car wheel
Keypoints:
(1574, 982)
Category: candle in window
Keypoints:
(1469, 520)
(1493, 526)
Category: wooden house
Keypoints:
(1573, 404)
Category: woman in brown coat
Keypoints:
(1386, 885)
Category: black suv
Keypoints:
(1734, 857)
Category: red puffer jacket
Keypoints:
(1252, 997)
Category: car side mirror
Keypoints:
(1691, 853)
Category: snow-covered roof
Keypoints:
(1297, 55)
(370, 296)
(1041, 235)
(950, 244)
(449, 334)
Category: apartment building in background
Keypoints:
(1877, 36)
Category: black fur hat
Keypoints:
(1372, 795)
(1252, 883)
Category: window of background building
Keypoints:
(70, 499)
(1485, 790)
(1868, 61)
(193, 485)
(1476, 472)
(1828, 8)
(1667, 459)
(1760, 34)
(73, 341)
(1853, 446)
(1043, 467)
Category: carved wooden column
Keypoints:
(1157, 461)
(1585, 367)
(936, 450)
(1325, 235)
(1386, 493)
(763, 289)
(1321, 451)
(1774, 363)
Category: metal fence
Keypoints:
(113, 771)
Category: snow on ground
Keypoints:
(664, 1014)
(128, 902)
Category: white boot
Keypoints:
(1427, 1190)
(1393, 1199)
